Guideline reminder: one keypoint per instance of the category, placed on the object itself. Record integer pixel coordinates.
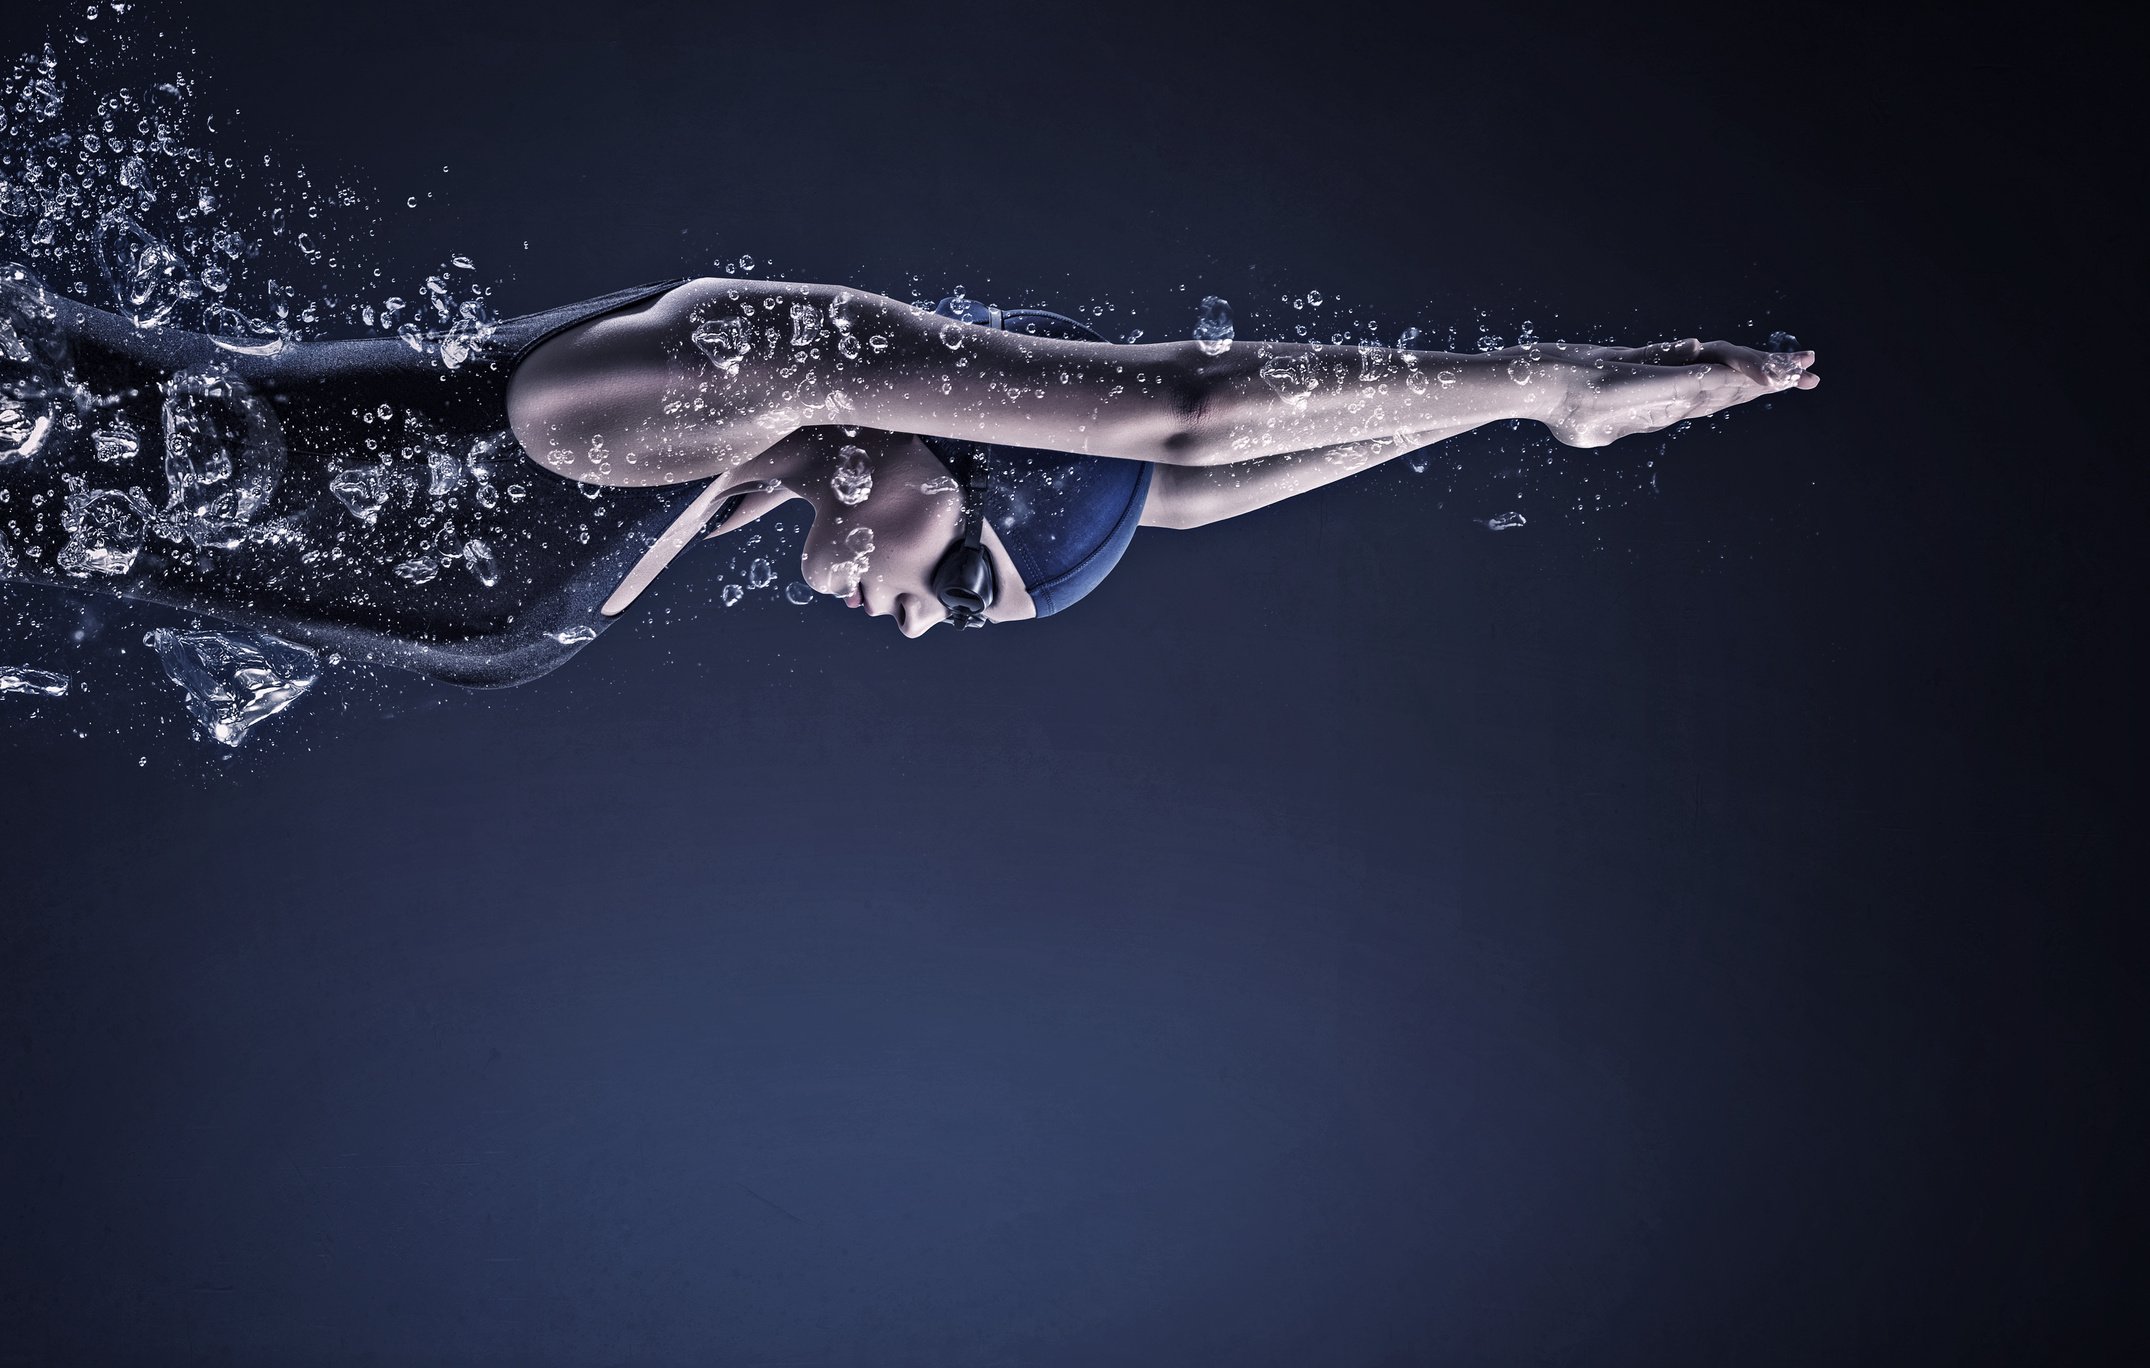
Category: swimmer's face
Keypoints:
(879, 553)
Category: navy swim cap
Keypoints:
(1065, 519)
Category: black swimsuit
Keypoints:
(363, 497)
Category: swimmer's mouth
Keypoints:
(857, 599)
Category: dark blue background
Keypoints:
(1671, 936)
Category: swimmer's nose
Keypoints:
(913, 617)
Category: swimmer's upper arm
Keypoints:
(802, 355)
(718, 370)
(630, 399)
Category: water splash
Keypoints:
(33, 358)
(234, 681)
(21, 679)
(147, 278)
(223, 456)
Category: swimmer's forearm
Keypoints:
(1195, 496)
(1265, 398)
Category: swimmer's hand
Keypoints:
(1614, 392)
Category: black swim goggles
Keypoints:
(964, 580)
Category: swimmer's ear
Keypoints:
(750, 506)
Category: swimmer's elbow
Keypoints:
(1192, 403)
(1174, 503)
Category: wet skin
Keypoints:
(643, 398)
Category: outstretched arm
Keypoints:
(1195, 496)
(1182, 497)
(719, 370)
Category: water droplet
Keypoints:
(479, 557)
(731, 595)
(797, 592)
(853, 478)
(364, 490)
(1213, 331)
(760, 575)
(105, 529)
(117, 443)
(1505, 522)
(724, 341)
(1292, 378)
(575, 636)
(444, 472)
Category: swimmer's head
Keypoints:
(888, 507)
(886, 510)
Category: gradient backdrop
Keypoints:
(1669, 936)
